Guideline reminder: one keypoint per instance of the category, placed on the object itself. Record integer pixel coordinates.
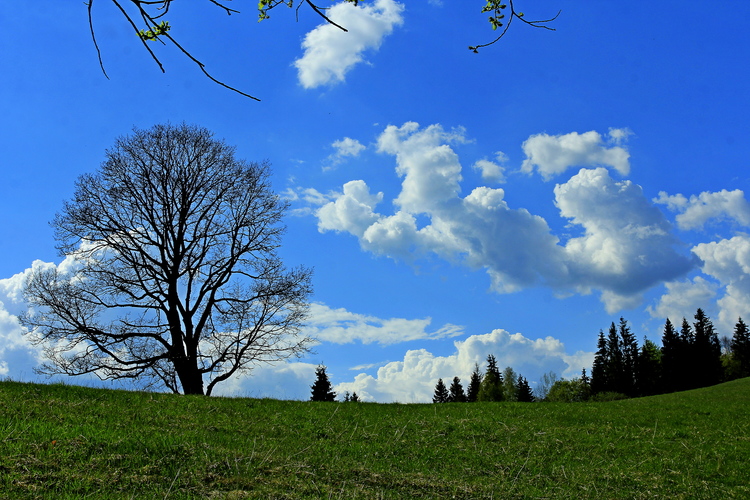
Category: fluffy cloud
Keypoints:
(340, 326)
(413, 379)
(345, 148)
(696, 211)
(551, 155)
(683, 298)
(330, 52)
(626, 246)
(492, 171)
(729, 262)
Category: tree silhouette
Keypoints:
(441, 393)
(456, 392)
(472, 392)
(322, 390)
(174, 273)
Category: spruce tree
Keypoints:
(687, 359)
(354, 398)
(491, 388)
(322, 390)
(648, 374)
(615, 367)
(456, 392)
(741, 348)
(599, 381)
(441, 393)
(629, 346)
(671, 349)
(707, 350)
(472, 392)
(525, 394)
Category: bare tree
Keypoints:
(175, 280)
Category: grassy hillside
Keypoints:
(71, 442)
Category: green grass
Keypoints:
(63, 442)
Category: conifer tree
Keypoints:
(491, 388)
(599, 381)
(648, 375)
(671, 349)
(629, 346)
(472, 392)
(525, 394)
(707, 350)
(741, 348)
(456, 392)
(615, 367)
(354, 398)
(441, 392)
(322, 390)
(687, 368)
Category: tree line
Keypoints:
(689, 358)
(491, 385)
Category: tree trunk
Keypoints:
(191, 379)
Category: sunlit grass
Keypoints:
(71, 442)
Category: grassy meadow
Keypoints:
(68, 442)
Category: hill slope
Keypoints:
(71, 442)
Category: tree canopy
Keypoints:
(172, 276)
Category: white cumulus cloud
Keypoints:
(330, 52)
(413, 379)
(729, 262)
(626, 246)
(551, 155)
(696, 211)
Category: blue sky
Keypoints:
(453, 205)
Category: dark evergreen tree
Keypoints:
(491, 388)
(354, 398)
(322, 390)
(472, 392)
(629, 346)
(525, 394)
(671, 350)
(648, 370)
(688, 367)
(741, 348)
(615, 368)
(599, 381)
(707, 351)
(441, 393)
(456, 392)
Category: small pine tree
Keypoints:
(491, 388)
(599, 369)
(456, 392)
(525, 395)
(474, 383)
(441, 393)
(354, 398)
(322, 390)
